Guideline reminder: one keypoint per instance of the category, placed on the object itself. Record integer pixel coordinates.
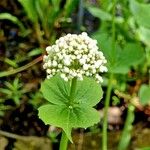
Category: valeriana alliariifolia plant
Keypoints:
(73, 65)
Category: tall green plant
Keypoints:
(72, 64)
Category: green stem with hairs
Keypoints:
(109, 88)
(64, 139)
(107, 101)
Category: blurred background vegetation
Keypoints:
(122, 29)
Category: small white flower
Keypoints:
(73, 57)
(48, 71)
(98, 63)
(53, 70)
(54, 63)
(84, 56)
(49, 63)
(85, 66)
(94, 71)
(48, 49)
(99, 78)
(82, 61)
(45, 66)
(63, 75)
(60, 66)
(66, 69)
(103, 69)
(67, 62)
(87, 73)
(79, 56)
(66, 79)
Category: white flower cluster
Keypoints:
(74, 56)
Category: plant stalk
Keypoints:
(107, 101)
(38, 34)
(64, 139)
(63, 142)
(73, 88)
(14, 71)
(126, 134)
(109, 88)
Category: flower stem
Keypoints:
(109, 88)
(107, 101)
(64, 139)
(73, 88)
(63, 142)
(14, 71)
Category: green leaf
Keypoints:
(144, 35)
(131, 55)
(67, 117)
(69, 7)
(88, 92)
(35, 52)
(144, 94)
(56, 4)
(120, 60)
(6, 91)
(13, 19)
(65, 114)
(99, 13)
(141, 13)
(56, 90)
(30, 9)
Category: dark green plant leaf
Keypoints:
(131, 55)
(144, 35)
(56, 90)
(30, 9)
(56, 4)
(35, 52)
(141, 13)
(14, 19)
(88, 92)
(99, 13)
(69, 7)
(120, 60)
(144, 94)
